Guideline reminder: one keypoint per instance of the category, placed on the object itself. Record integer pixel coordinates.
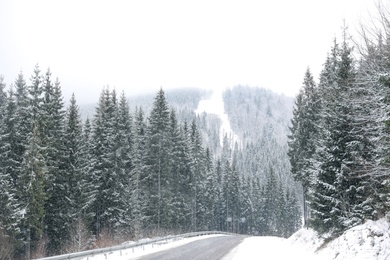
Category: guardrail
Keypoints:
(93, 252)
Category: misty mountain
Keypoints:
(259, 117)
(183, 100)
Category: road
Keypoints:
(208, 248)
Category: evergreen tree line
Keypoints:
(68, 185)
(339, 140)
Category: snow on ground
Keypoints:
(364, 242)
(370, 240)
(268, 248)
(136, 252)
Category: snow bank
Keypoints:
(370, 240)
(268, 248)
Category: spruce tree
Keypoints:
(158, 162)
(80, 190)
(180, 167)
(59, 206)
(90, 187)
(304, 131)
(122, 151)
(22, 124)
(32, 197)
(106, 206)
(211, 192)
(139, 192)
(197, 179)
(9, 216)
(35, 91)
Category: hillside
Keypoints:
(256, 113)
(370, 240)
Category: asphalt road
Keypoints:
(212, 248)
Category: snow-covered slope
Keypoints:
(215, 105)
(367, 241)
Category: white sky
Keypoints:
(138, 46)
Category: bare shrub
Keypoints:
(80, 238)
(40, 248)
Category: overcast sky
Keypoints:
(138, 46)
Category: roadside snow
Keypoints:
(268, 248)
(370, 240)
(364, 242)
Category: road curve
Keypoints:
(208, 248)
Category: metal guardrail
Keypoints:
(93, 252)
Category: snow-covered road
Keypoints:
(215, 247)
(209, 248)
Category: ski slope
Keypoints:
(215, 105)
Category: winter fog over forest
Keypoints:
(122, 122)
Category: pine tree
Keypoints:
(197, 179)
(304, 131)
(21, 124)
(8, 203)
(211, 192)
(106, 206)
(90, 187)
(219, 210)
(31, 188)
(80, 190)
(18, 134)
(139, 193)
(336, 191)
(372, 121)
(271, 203)
(292, 221)
(157, 161)
(180, 167)
(35, 92)
(3, 97)
(59, 206)
(123, 142)
(328, 160)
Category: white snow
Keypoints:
(370, 240)
(268, 248)
(214, 105)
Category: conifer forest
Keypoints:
(71, 182)
(339, 141)
(76, 177)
